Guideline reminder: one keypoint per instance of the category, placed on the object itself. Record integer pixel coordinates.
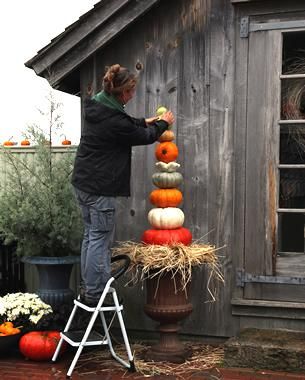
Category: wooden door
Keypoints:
(274, 193)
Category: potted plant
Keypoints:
(38, 212)
(20, 313)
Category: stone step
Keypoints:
(281, 350)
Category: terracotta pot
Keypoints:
(168, 304)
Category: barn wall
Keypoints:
(187, 57)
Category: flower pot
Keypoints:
(9, 343)
(54, 277)
(168, 304)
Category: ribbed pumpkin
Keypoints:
(166, 151)
(166, 218)
(167, 180)
(25, 142)
(166, 197)
(169, 167)
(66, 142)
(8, 143)
(167, 136)
(167, 237)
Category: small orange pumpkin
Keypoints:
(166, 151)
(66, 142)
(25, 142)
(167, 136)
(8, 143)
(165, 197)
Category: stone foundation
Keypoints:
(280, 350)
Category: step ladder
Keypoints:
(89, 337)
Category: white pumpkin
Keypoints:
(169, 167)
(167, 180)
(167, 218)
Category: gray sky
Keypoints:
(26, 27)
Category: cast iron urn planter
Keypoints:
(54, 277)
(168, 304)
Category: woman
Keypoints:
(102, 170)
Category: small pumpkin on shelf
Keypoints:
(65, 141)
(25, 142)
(8, 143)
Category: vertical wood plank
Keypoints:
(262, 143)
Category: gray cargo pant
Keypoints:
(98, 215)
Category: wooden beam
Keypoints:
(74, 34)
(56, 71)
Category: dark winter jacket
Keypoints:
(103, 160)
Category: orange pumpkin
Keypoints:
(166, 151)
(166, 197)
(8, 143)
(7, 328)
(40, 345)
(167, 136)
(167, 237)
(66, 142)
(25, 142)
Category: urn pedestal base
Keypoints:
(169, 347)
(168, 304)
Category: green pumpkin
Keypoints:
(165, 180)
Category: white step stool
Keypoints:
(88, 337)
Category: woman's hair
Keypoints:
(117, 79)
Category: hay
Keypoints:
(294, 91)
(204, 357)
(148, 260)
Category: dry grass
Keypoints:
(294, 91)
(204, 357)
(150, 260)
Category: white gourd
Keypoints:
(169, 167)
(166, 218)
(167, 180)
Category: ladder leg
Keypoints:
(74, 361)
(65, 330)
(83, 341)
(57, 350)
(123, 329)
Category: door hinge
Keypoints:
(242, 278)
(244, 27)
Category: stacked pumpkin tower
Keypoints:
(166, 218)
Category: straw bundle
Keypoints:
(150, 260)
(204, 357)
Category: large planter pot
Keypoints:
(168, 304)
(54, 277)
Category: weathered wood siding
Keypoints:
(186, 51)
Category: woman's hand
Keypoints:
(151, 120)
(168, 117)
